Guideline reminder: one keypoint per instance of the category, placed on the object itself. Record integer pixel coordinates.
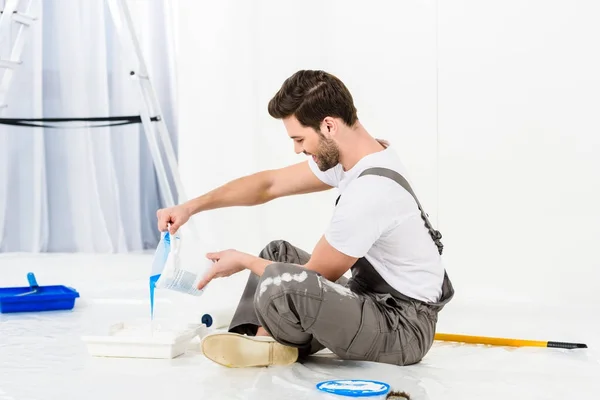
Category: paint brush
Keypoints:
(395, 395)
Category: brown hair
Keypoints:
(311, 96)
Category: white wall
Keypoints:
(518, 95)
(235, 55)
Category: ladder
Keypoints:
(9, 16)
(155, 128)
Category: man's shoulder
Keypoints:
(374, 185)
(379, 172)
(374, 194)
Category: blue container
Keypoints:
(354, 387)
(36, 298)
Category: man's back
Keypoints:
(378, 219)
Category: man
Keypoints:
(296, 303)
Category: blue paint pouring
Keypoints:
(153, 280)
(159, 262)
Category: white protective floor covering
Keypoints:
(43, 357)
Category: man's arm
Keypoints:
(260, 188)
(325, 259)
(328, 261)
(249, 190)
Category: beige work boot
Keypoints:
(238, 351)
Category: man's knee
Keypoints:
(275, 248)
(274, 245)
(287, 295)
(284, 252)
(280, 279)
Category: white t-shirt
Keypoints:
(378, 219)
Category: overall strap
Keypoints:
(395, 176)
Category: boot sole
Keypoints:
(239, 351)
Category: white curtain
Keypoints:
(85, 189)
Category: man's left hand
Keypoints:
(226, 263)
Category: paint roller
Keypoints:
(495, 341)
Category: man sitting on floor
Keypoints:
(296, 303)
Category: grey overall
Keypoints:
(361, 318)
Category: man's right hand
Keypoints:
(174, 216)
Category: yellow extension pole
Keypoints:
(493, 341)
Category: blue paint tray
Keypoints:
(34, 298)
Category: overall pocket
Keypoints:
(366, 338)
(400, 347)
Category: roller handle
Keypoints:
(32, 281)
(507, 342)
(566, 345)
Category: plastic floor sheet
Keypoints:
(43, 357)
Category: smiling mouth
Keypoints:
(311, 155)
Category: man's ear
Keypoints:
(329, 126)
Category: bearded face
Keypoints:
(327, 154)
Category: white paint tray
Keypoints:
(142, 341)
